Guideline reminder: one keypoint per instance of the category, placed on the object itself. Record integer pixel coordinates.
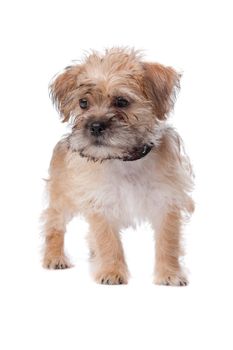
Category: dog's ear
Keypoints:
(62, 90)
(161, 85)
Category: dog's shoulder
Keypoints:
(172, 154)
(60, 153)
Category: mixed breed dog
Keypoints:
(121, 164)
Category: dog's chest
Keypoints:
(129, 191)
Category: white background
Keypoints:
(65, 309)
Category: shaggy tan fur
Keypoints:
(131, 168)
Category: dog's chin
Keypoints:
(101, 153)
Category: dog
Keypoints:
(121, 164)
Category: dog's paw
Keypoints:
(56, 263)
(174, 279)
(111, 278)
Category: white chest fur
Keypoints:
(127, 191)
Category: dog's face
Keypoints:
(115, 104)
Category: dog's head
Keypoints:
(115, 103)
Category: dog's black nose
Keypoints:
(97, 128)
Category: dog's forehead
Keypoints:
(102, 86)
(110, 79)
(100, 74)
(112, 67)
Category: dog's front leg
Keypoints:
(54, 230)
(168, 270)
(107, 257)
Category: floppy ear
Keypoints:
(161, 84)
(62, 91)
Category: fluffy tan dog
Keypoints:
(120, 164)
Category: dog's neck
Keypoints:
(136, 154)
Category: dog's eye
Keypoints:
(83, 103)
(121, 102)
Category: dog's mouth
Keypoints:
(135, 154)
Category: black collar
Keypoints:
(138, 153)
